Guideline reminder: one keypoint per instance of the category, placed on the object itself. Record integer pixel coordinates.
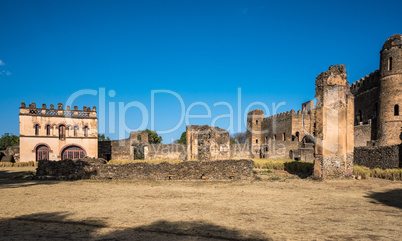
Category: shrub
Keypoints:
(389, 174)
(19, 164)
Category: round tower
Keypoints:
(390, 119)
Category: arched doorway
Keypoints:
(73, 152)
(42, 153)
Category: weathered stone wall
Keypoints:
(379, 156)
(121, 150)
(165, 151)
(362, 134)
(187, 170)
(240, 151)
(278, 149)
(105, 150)
(207, 143)
(10, 154)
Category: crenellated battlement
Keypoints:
(86, 112)
(285, 115)
(368, 82)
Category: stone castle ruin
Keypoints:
(359, 123)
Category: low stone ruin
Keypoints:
(186, 170)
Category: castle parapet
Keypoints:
(86, 112)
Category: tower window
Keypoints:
(256, 141)
(256, 122)
(396, 110)
(48, 130)
(86, 131)
(37, 129)
(274, 137)
(284, 136)
(390, 63)
(75, 130)
(62, 132)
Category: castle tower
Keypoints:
(254, 131)
(390, 118)
(334, 125)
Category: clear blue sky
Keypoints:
(202, 50)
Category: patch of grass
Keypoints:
(19, 164)
(389, 174)
(284, 164)
(155, 161)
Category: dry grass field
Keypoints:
(280, 206)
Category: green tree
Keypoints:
(8, 140)
(153, 137)
(103, 138)
(182, 139)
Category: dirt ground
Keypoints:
(277, 207)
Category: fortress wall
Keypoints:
(379, 156)
(121, 150)
(278, 149)
(240, 151)
(165, 151)
(187, 170)
(362, 134)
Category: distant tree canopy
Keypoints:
(153, 137)
(103, 138)
(8, 140)
(182, 139)
(238, 138)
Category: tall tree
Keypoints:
(8, 140)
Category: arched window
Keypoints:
(48, 130)
(37, 127)
(86, 131)
(42, 153)
(396, 110)
(62, 132)
(297, 136)
(75, 130)
(256, 122)
(390, 63)
(256, 141)
(266, 140)
(73, 152)
(284, 136)
(274, 137)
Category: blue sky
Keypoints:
(202, 50)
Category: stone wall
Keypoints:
(278, 149)
(165, 151)
(187, 170)
(362, 134)
(10, 154)
(240, 151)
(379, 156)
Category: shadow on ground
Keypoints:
(391, 198)
(57, 226)
(12, 179)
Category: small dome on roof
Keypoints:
(393, 41)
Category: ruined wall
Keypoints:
(165, 151)
(207, 143)
(379, 156)
(363, 134)
(240, 151)
(10, 154)
(278, 149)
(334, 125)
(367, 93)
(121, 150)
(187, 170)
(105, 150)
